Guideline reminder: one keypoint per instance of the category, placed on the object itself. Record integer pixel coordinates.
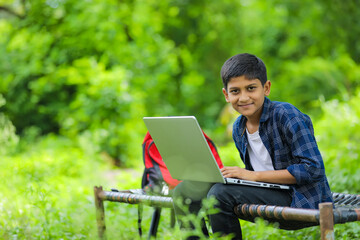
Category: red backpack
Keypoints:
(156, 177)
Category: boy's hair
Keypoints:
(243, 64)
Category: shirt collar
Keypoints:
(266, 110)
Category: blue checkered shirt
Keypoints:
(288, 135)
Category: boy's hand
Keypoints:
(237, 172)
(273, 176)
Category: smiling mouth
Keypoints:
(245, 105)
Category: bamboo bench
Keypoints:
(347, 209)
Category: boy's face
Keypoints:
(247, 96)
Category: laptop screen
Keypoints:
(184, 149)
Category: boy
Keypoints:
(276, 143)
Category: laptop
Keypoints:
(186, 153)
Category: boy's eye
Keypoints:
(251, 88)
(234, 91)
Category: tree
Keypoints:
(93, 69)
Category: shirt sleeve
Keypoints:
(308, 164)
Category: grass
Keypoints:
(47, 193)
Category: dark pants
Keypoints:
(228, 196)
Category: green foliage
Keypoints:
(105, 110)
(230, 155)
(47, 193)
(294, 41)
(96, 71)
(338, 134)
(8, 137)
(93, 69)
(90, 70)
(329, 75)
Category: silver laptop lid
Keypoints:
(184, 149)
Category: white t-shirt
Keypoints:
(259, 156)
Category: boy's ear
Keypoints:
(267, 87)
(226, 95)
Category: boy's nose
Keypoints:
(243, 97)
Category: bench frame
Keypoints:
(326, 216)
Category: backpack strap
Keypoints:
(214, 151)
(140, 211)
(145, 180)
(212, 143)
(144, 176)
(155, 164)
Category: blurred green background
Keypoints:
(76, 78)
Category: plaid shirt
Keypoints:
(288, 135)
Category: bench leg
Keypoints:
(155, 222)
(100, 213)
(326, 221)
